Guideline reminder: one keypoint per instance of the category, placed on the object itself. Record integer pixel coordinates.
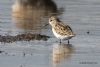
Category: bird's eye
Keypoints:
(51, 20)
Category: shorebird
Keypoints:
(60, 30)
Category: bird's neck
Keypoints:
(54, 24)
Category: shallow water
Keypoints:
(83, 50)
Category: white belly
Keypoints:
(60, 36)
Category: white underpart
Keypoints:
(61, 37)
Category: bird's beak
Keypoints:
(46, 25)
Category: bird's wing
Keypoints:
(63, 29)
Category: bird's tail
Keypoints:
(72, 35)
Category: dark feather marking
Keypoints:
(63, 29)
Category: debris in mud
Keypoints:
(88, 32)
(1, 51)
(23, 37)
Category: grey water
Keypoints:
(82, 15)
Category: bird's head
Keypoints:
(53, 20)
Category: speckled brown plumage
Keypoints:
(62, 29)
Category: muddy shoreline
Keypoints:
(23, 37)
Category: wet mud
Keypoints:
(23, 37)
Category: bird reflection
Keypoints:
(61, 51)
(28, 14)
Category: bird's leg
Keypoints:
(60, 41)
(68, 41)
